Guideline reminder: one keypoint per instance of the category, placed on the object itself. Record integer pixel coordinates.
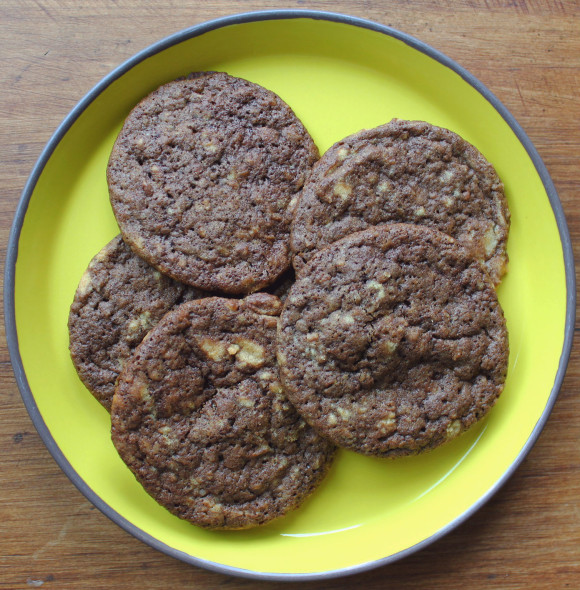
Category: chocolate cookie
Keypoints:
(119, 299)
(201, 177)
(392, 341)
(200, 418)
(404, 171)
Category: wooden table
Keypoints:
(527, 53)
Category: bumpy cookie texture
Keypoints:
(200, 417)
(393, 341)
(119, 299)
(404, 171)
(201, 178)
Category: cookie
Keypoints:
(404, 171)
(200, 418)
(392, 341)
(119, 299)
(201, 177)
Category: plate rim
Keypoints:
(62, 130)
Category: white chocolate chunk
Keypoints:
(383, 186)
(85, 284)
(446, 176)
(453, 429)
(214, 349)
(142, 322)
(490, 241)
(387, 424)
(342, 190)
(376, 286)
(250, 353)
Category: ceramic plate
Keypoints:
(340, 74)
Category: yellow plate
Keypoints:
(339, 74)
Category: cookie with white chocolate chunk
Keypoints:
(119, 299)
(404, 172)
(200, 418)
(201, 178)
(392, 341)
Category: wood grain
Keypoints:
(527, 53)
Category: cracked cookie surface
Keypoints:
(200, 417)
(393, 341)
(119, 299)
(404, 172)
(201, 178)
